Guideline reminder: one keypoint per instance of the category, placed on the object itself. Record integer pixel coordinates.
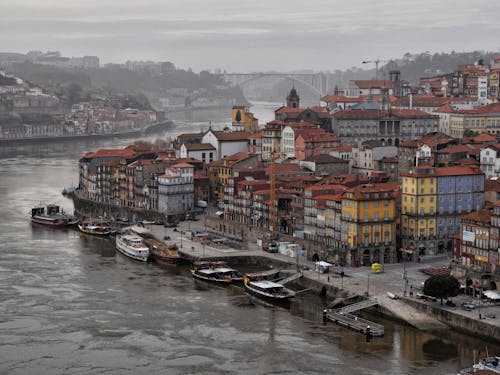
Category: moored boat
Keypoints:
(132, 246)
(95, 228)
(268, 290)
(486, 366)
(51, 216)
(219, 275)
(163, 254)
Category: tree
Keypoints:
(238, 116)
(441, 286)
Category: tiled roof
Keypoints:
(360, 191)
(182, 165)
(199, 146)
(493, 108)
(289, 110)
(341, 99)
(452, 149)
(428, 101)
(376, 114)
(481, 216)
(373, 83)
(386, 159)
(256, 135)
(231, 136)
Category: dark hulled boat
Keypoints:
(51, 216)
(163, 254)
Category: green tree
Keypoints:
(441, 286)
(238, 116)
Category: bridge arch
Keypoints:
(247, 78)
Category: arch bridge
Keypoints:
(316, 82)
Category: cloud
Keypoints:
(257, 35)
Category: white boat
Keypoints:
(269, 290)
(220, 274)
(132, 246)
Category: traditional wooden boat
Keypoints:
(162, 253)
(52, 216)
(268, 290)
(95, 228)
(132, 246)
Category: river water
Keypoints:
(70, 305)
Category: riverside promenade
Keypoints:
(356, 284)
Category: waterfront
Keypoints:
(69, 304)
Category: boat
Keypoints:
(162, 253)
(95, 228)
(68, 191)
(224, 275)
(486, 366)
(208, 264)
(132, 246)
(268, 290)
(52, 216)
(263, 275)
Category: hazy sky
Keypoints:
(242, 36)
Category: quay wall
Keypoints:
(457, 321)
(90, 208)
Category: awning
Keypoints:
(219, 213)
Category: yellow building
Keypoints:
(485, 119)
(432, 201)
(243, 120)
(368, 224)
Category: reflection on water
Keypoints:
(70, 304)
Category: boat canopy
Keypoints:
(491, 294)
(266, 284)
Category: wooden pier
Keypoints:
(345, 318)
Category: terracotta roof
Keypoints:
(108, 153)
(467, 162)
(256, 135)
(236, 157)
(182, 165)
(189, 160)
(428, 101)
(493, 108)
(481, 216)
(373, 83)
(492, 185)
(199, 146)
(452, 149)
(447, 108)
(386, 159)
(345, 148)
(342, 99)
(231, 136)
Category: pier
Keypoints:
(345, 317)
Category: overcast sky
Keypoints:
(255, 35)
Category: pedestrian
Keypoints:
(328, 278)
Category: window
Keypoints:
(365, 204)
(375, 204)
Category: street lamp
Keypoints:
(181, 238)
(368, 286)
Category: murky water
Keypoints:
(70, 305)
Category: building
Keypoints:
(289, 134)
(326, 165)
(433, 199)
(226, 142)
(367, 156)
(176, 191)
(392, 127)
(243, 120)
(314, 142)
(484, 119)
(368, 224)
(490, 160)
(478, 261)
(205, 152)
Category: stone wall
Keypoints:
(459, 322)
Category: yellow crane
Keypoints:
(376, 62)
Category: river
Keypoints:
(70, 305)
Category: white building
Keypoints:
(490, 160)
(200, 151)
(176, 190)
(226, 142)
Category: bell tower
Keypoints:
(293, 99)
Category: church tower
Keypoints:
(293, 100)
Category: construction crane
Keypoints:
(376, 62)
